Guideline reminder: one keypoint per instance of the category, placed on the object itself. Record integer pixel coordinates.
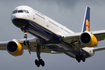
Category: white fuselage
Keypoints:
(42, 26)
(41, 20)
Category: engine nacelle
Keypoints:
(14, 48)
(89, 50)
(88, 39)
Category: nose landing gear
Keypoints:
(26, 42)
(25, 30)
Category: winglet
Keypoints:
(86, 22)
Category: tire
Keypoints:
(28, 43)
(82, 57)
(24, 42)
(42, 62)
(37, 63)
(78, 58)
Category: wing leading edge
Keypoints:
(31, 47)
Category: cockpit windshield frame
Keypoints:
(20, 11)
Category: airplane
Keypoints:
(51, 37)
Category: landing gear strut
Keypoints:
(80, 56)
(26, 42)
(39, 61)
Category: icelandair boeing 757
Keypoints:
(52, 37)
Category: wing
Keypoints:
(3, 45)
(75, 37)
(71, 38)
(31, 47)
(100, 35)
(99, 48)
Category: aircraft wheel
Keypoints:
(42, 62)
(83, 58)
(37, 63)
(26, 42)
(78, 58)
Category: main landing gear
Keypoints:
(80, 57)
(38, 61)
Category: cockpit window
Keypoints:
(20, 11)
(15, 11)
(26, 11)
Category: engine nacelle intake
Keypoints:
(88, 39)
(14, 48)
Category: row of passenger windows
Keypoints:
(20, 11)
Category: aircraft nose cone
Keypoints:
(19, 22)
(14, 16)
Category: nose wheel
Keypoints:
(26, 42)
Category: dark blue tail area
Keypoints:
(86, 22)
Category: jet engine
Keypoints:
(14, 48)
(88, 39)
